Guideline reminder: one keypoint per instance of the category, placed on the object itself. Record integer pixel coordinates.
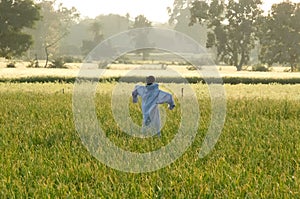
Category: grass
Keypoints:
(257, 155)
(133, 79)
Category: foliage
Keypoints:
(180, 18)
(141, 39)
(33, 64)
(11, 65)
(280, 35)
(178, 7)
(58, 63)
(255, 157)
(113, 24)
(52, 28)
(260, 67)
(192, 67)
(81, 32)
(88, 45)
(232, 26)
(141, 22)
(135, 79)
(15, 15)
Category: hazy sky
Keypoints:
(153, 10)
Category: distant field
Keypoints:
(139, 70)
(257, 155)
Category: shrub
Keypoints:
(192, 67)
(260, 68)
(33, 64)
(11, 65)
(58, 63)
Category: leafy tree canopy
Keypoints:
(280, 35)
(56, 21)
(232, 26)
(96, 29)
(141, 39)
(15, 15)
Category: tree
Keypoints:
(198, 32)
(113, 24)
(141, 39)
(179, 6)
(52, 28)
(232, 27)
(180, 18)
(280, 35)
(96, 29)
(81, 33)
(14, 16)
(141, 22)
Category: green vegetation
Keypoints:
(279, 35)
(257, 155)
(260, 68)
(51, 30)
(234, 32)
(135, 79)
(58, 63)
(232, 27)
(239, 33)
(141, 39)
(11, 65)
(14, 17)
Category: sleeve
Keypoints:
(135, 93)
(165, 97)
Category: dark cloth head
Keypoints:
(150, 80)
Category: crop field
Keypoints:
(257, 154)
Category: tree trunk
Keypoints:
(235, 59)
(293, 67)
(49, 45)
(47, 57)
(242, 61)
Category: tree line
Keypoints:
(235, 28)
(231, 29)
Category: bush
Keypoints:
(58, 63)
(11, 65)
(260, 68)
(287, 70)
(33, 64)
(192, 67)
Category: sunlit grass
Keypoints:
(257, 155)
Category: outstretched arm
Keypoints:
(135, 93)
(165, 97)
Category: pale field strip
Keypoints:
(122, 70)
(135, 70)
